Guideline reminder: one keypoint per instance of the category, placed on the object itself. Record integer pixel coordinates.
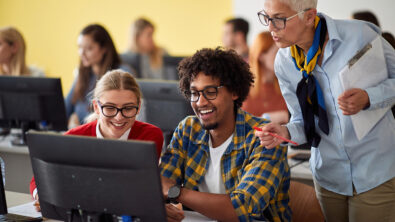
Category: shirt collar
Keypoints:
(123, 137)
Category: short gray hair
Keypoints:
(300, 5)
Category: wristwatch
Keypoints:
(173, 193)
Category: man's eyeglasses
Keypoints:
(278, 23)
(112, 111)
(209, 92)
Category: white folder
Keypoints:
(366, 69)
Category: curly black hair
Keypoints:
(226, 65)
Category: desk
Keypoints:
(18, 169)
(300, 172)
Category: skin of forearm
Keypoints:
(215, 206)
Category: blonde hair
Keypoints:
(115, 80)
(137, 28)
(261, 44)
(18, 64)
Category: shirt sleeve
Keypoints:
(68, 103)
(172, 160)
(262, 180)
(383, 94)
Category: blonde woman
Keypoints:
(116, 102)
(144, 56)
(265, 96)
(13, 53)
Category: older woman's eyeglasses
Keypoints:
(112, 111)
(278, 23)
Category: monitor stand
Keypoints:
(20, 138)
(4, 131)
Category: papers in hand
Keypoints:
(366, 69)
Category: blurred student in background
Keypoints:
(13, 58)
(143, 55)
(13, 54)
(235, 36)
(97, 56)
(265, 96)
(116, 102)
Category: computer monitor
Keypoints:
(95, 177)
(31, 103)
(163, 105)
(170, 64)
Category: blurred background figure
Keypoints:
(235, 36)
(265, 97)
(143, 55)
(97, 55)
(13, 58)
(370, 17)
(13, 54)
(366, 16)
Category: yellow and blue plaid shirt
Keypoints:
(257, 179)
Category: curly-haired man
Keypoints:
(214, 164)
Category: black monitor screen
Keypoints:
(170, 64)
(87, 176)
(163, 104)
(32, 103)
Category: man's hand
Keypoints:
(174, 213)
(270, 141)
(352, 101)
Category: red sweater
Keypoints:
(139, 131)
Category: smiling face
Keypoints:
(90, 52)
(295, 30)
(216, 113)
(115, 127)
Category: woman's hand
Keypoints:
(270, 141)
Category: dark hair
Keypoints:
(239, 25)
(390, 38)
(110, 59)
(366, 16)
(231, 70)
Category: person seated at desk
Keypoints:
(97, 56)
(144, 56)
(13, 58)
(13, 54)
(116, 102)
(214, 164)
(265, 96)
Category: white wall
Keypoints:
(337, 9)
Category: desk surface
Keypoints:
(18, 169)
(299, 170)
(15, 198)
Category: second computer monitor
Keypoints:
(163, 104)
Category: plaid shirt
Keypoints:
(257, 179)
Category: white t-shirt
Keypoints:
(212, 182)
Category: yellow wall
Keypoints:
(51, 27)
